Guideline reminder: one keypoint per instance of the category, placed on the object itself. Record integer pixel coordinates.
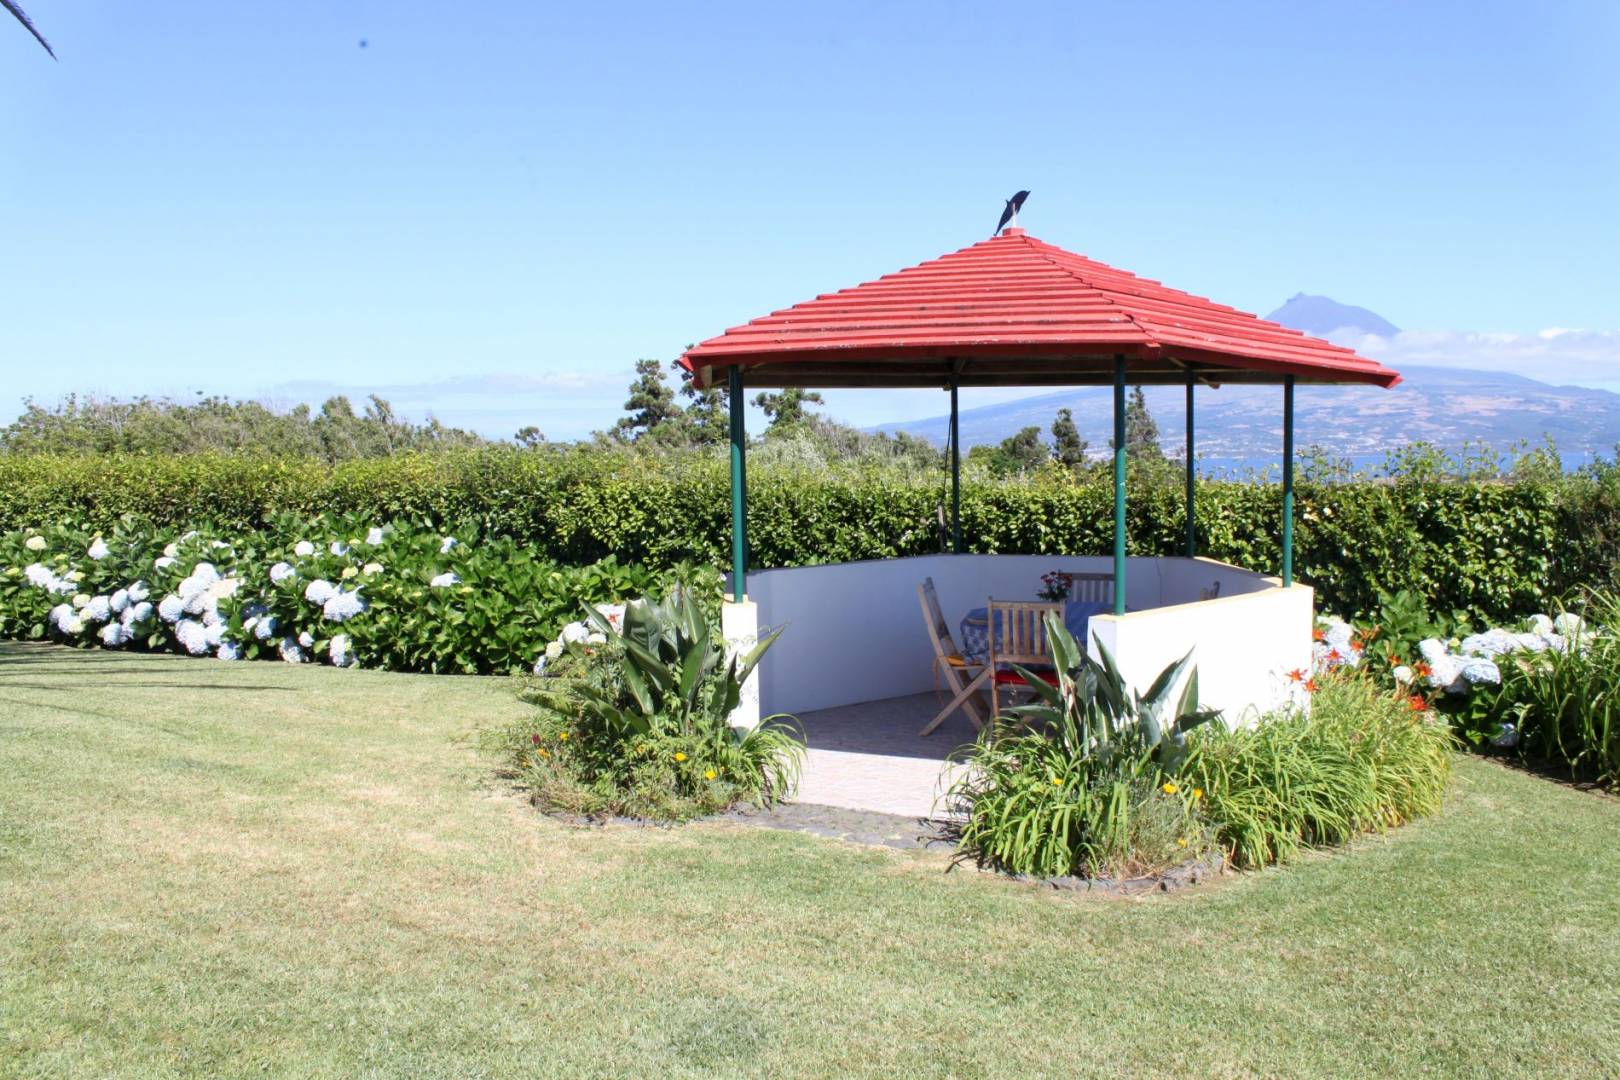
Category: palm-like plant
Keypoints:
(1093, 704)
(28, 24)
(680, 682)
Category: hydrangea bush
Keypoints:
(332, 590)
(1459, 675)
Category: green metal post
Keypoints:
(1192, 483)
(1119, 485)
(739, 487)
(1288, 481)
(956, 474)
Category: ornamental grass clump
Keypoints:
(1361, 759)
(1085, 780)
(633, 720)
(1564, 705)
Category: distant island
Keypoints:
(1243, 424)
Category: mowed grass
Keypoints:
(213, 869)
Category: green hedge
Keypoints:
(1493, 549)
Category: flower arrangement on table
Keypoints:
(1056, 586)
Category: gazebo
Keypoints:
(1014, 311)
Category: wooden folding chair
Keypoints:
(1096, 588)
(956, 671)
(1017, 636)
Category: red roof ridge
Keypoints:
(1042, 248)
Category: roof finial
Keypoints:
(1014, 204)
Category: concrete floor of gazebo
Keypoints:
(868, 756)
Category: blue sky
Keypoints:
(492, 210)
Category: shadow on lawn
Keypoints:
(65, 667)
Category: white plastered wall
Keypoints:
(855, 631)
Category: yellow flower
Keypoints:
(1198, 793)
(543, 752)
(1170, 787)
(1182, 840)
(563, 737)
(1056, 782)
(641, 748)
(710, 775)
(679, 756)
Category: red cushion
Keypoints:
(1012, 678)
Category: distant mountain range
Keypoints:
(1442, 405)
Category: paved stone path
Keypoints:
(869, 757)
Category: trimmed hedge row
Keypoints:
(1491, 549)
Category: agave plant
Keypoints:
(1094, 705)
(22, 16)
(670, 653)
(1082, 780)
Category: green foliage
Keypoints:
(1491, 549)
(1362, 759)
(785, 408)
(1077, 782)
(1565, 704)
(1068, 448)
(637, 724)
(143, 425)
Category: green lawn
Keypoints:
(217, 869)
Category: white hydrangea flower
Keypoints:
(1445, 673)
(1493, 642)
(119, 600)
(228, 650)
(1476, 671)
(1530, 642)
(137, 613)
(212, 617)
(372, 568)
(170, 550)
(115, 634)
(374, 535)
(1432, 649)
(281, 572)
(81, 600)
(303, 548)
(74, 575)
(98, 549)
(1569, 624)
(340, 650)
(265, 628)
(575, 631)
(214, 633)
(139, 591)
(218, 544)
(63, 618)
(349, 573)
(307, 640)
(1540, 625)
(41, 576)
(319, 591)
(99, 609)
(343, 605)
(1403, 674)
(446, 543)
(35, 543)
(192, 636)
(596, 639)
(170, 608)
(613, 613)
(338, 547)
(290, 652)
(445, 580)
(554, 650)
(1336, 633)
(164, 562)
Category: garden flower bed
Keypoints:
(316, 590)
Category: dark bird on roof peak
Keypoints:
(1014, 204)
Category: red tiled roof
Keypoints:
(1015, 311)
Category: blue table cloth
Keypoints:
(975, 626)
